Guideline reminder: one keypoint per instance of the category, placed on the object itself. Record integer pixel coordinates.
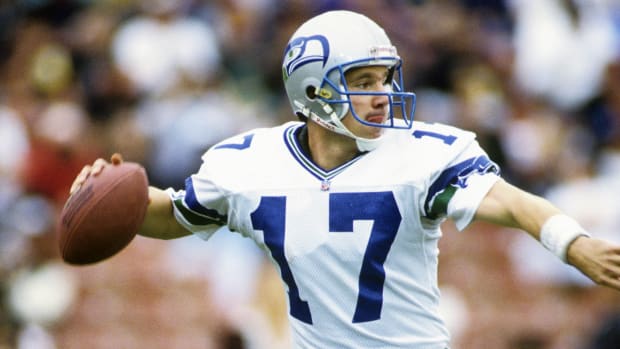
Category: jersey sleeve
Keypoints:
(458, 190)
(200, 207)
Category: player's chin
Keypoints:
(372, 132)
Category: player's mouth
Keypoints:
(378, 118)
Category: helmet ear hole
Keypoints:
(301, 116)
(311, 92)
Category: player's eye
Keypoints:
(364, 84)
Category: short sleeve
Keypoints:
(465, 201)
(200, 208)
(458, 190)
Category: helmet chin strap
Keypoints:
(336, 125)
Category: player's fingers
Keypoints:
(98, 166)
(80, 178)
(116, 159)
(611, 279)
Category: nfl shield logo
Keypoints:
(325, 185)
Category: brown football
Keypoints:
(104, 215)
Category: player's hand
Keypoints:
(597, 259)
(93, 170)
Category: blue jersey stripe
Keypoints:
(191, 202)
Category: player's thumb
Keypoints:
(116, 159)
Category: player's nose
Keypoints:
(380, 100)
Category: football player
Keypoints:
(348, 201)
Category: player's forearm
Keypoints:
(160, 222)
(531, 212)
(510, 206)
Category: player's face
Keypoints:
(371, 108)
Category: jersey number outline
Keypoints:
(247, 141)
(447, 139)
(344, 209)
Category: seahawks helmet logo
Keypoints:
(304, 50)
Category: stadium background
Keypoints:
(160, 81)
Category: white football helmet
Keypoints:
(316, 59)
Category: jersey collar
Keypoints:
(294, 144)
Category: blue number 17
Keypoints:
(344, 208)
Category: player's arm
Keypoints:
(160, 222)
(510, 206)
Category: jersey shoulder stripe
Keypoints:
(452, 179)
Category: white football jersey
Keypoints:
(356, 246)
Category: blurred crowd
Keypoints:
(160, 81)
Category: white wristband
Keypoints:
(558, 232)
